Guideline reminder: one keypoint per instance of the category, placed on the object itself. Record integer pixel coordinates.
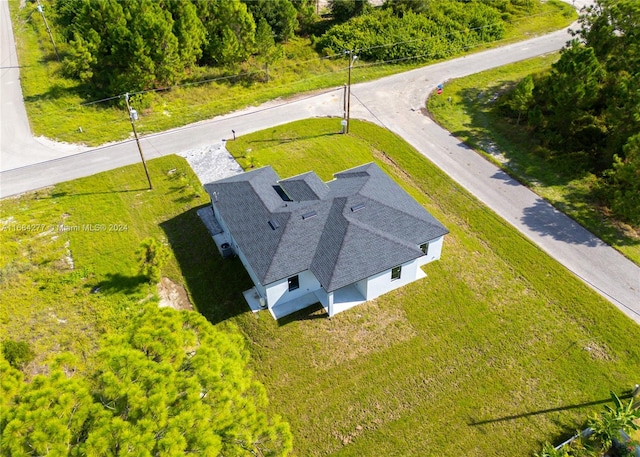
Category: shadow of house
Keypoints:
(214, 284)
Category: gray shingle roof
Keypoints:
(359, 224)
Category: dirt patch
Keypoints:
(597, 351)
(173, 295)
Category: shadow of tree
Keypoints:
(215, 284)
(548, 221)
(488, 131)
(119, 283)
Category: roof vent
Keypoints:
(357, 207)
(309, 215)
(273, 224)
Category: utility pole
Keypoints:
(352, 59)
(133, 115)
(46, 24)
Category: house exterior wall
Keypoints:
(362, 286)
(433, 251)
(382, 283)
(278, 291)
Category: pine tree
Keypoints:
(266, 48)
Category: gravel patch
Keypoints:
(212, 163)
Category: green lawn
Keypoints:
(498, 350)
(55, 104)
(470, 117)
(461, 363)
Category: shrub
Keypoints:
(17, 353)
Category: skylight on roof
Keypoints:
(273, 224)
(280, 191)
(358, 206)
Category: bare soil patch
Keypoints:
(173, 295)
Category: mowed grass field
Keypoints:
(497, 350)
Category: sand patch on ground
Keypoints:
(173, 295)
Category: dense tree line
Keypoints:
(119, 46)
(424, 30)
(171, 384)
(587, 108)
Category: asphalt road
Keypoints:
(396, 103)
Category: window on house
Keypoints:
(424, 248)
(294, 283)
(395, 273)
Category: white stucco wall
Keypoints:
(279, 291)
(433, 251)
(382, 283)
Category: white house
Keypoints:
(339, 243)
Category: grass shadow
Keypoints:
(215, 284)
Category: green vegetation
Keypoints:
(459, 364)
(498, 342)
(152, 256)
(584, 112)
(604, 437)
(68, 267)
(170, 384)
(54, 101)
(472, 116)
(441, 30)
(68, 275)
(17, 353)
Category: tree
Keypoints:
(307, 15)
(49, 416)
(624, 182)
(170, 384)
(152, 256)
(188, 30)
(230, 31)
(120, 46)
(281, 16)
(522, 97)
(266, 49)
(175, 384)
(343, 10)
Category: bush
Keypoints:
(443, 31)
(17, 353)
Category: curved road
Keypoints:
(395, 102)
